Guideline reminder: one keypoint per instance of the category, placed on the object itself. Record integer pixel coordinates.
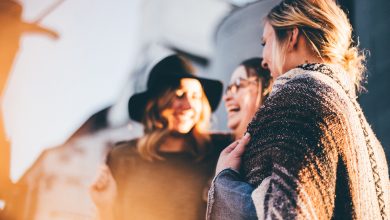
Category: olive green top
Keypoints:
(173, 188)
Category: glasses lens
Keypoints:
(238, 84)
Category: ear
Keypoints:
(293, 41)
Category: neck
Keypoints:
(174, 144)
(301, 54)
(311, 59)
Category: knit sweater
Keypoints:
(312, 154)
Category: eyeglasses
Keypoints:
(238, 84)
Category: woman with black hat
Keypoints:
(164, 174)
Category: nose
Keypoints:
(185, 103)
(227, 96)
(264, 64)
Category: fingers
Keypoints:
(103, 191)
(240, 148)
(103, 178)
(231, 156)
(230, 148)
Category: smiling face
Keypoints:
(242, 100)
(186, 107)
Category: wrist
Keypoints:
(227, 170)
(219, 170)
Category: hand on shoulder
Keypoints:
(231, 156)
(103, 191)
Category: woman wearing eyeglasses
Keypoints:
(312, 154)
(249, 87)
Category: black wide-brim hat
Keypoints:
(167, 74)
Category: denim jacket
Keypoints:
(230, 197)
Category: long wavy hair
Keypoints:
(326, 29)
(156, 127)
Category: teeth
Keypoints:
(233, 108)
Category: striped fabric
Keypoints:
(312, 154)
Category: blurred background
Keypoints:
(68, 68)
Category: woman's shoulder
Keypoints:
(307, 93)
(314, 82)
(316, 77)
(124, 148)
(122, 153)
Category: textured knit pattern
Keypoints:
(312, 154)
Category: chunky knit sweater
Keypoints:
(312, 154)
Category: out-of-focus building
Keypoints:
(57, 183)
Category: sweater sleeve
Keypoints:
(291, 159)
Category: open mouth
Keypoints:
(232, 109)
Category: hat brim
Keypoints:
(137, 104)
(212, 88)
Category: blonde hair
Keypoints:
(326, 29)
(156, 127)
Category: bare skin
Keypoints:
(182, 116)
(242, 105)
(230, 157)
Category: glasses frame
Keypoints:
(240, 83)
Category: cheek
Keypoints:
(248, 102)
(198, 107)
(168, 115)
(267, 56)
(174, 104)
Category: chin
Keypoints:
(239, 131)
(232, 125)
(184, 129)
(233, 130)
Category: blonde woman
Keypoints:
(165, 174)
(311, 153)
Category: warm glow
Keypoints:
(55, 85)
(2, 204)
